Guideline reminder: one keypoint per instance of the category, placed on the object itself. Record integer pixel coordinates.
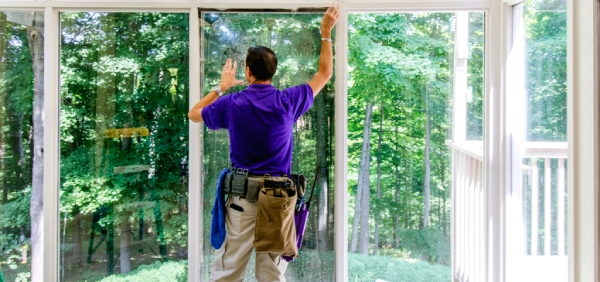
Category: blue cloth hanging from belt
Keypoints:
(217, 228)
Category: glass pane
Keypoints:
(475, 74)
(409, 114)
(21, 134)
(124, 132)
(295, 39)
(546, 57)
(544, 154)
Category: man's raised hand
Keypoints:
(228, 76)
(330, 19)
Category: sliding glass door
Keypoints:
(296, 41)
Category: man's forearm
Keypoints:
(195, 113)
(326, 56)
(325, 70)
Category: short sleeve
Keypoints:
(302, 99)
(216, 115)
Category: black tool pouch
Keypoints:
(300, 184)
(239, 183)
(253, 189)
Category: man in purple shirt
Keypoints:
(260, 122)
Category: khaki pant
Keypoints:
(232, 258)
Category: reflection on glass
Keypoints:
(124, 132)
(405, 70)
(21, 95)
(295, 39)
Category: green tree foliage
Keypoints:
(475, 79)
(16, 141)
(401, 62)
(123, 72)
(546, 53)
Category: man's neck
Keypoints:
(261, 82)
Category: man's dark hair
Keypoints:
(262, 62)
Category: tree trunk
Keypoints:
(158, 218)
(427, 180)
(77, 232)
(125, 241)
(363, 182)
(444, 201)
(397, 201)
(3, 40)
(377, 212)
(35, 38)
(124, 227)
(396, 197)
(363, 159)
(105, 94)
(331, 192)
(355, 221)
(15, 120)
(322, 166)
(182, 250)
(110, 242)
(407, 192)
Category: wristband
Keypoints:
(217, 89)
(326, 39)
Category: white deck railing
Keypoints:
(468, 213)
(543, 179)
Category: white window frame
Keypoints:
(583, 129)
(583, 132)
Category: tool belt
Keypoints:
(275, 231)
(246, 186)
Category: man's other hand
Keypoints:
(228, 76)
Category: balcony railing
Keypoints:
(543, 211)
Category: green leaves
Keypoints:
(546, 54)
(402, 63)
(371, 268)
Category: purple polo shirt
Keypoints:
(260, 121)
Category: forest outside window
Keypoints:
(21, 139)
(123, 147)
(415, 127)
